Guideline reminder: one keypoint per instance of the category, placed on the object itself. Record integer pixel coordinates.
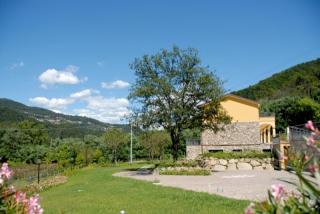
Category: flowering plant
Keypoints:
(307, 200)
(12, 201)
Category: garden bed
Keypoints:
(183, 171)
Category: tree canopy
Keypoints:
(170, 89)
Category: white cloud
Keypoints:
(83, 94)
(66, 76)
(118, 84)
(110, 110)
(16, 65)
(54, 103)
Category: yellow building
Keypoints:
(244, 110)
(247, 131)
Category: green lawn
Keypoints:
(95, 190)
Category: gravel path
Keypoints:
(251, 185)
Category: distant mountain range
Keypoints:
(59, 125)
(302, 80)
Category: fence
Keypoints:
(30, 172)
(297, 139)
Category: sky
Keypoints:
(73, 56)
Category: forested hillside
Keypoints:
(58, 125)
(293, 95)
(300, 80)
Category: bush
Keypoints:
(238, 155)
(185, 172)
(177, 164)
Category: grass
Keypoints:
(95, 190)
(185, 172)
(238, 155)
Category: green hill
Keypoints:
(58, 125)
(302, 80)
(293, 95)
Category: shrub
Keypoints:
(238, 155)
(177, 164)
(185, 172)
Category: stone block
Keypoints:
(233, 161)
(244, 166)
(223, 162)
(232, 166)
(213, 162)
(255, 163)
(219, 167)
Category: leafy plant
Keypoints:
(190, 172)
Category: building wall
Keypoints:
(239, 133)
(241, 111)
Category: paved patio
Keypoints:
(251, 185)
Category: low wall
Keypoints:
(215, 164)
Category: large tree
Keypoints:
(170, 90)
(114, 138)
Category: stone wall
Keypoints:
(193, 151)
(236, 136)
(215, 164)
(239, 133)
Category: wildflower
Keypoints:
(306, 158)
(5, 171)
(310, 140)
(21, 197)
(312, 168)
(249, 209)
(309, 125)
(277, 191)
(34, 205)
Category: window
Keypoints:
(215, 150)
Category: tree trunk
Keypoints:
(175, 138)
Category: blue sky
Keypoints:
(59, 54)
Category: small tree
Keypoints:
(155, 143)
(170, 87)
(114, 138)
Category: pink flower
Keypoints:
(277, 191)
(310, 140)
(21, 197)
(313, 168)
(5, 171)
(306, 158)
(283, 157)
(309, 125)
(34, 205)
(249, 209)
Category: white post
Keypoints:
(131, 145)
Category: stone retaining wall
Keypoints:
(215, 164)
